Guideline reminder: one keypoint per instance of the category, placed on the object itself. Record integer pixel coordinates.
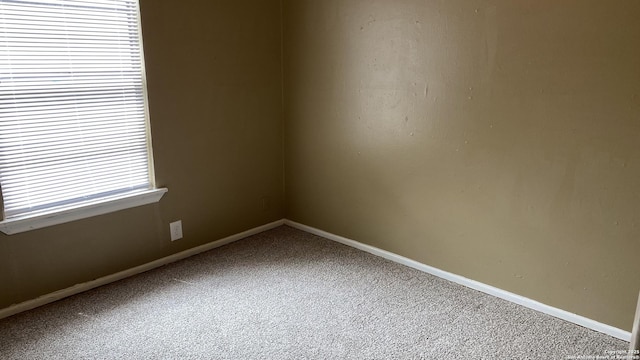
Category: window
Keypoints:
(74, 131)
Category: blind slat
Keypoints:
(73, 124)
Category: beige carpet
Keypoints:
(286, 294)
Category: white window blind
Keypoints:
(73, 123)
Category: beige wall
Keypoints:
(214, 81)
(498, 140)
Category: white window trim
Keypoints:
(98, 206)
(82, 211)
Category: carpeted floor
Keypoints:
(286, 294)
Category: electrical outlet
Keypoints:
(176, 230)
(266, 203)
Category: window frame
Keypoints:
(104, 205)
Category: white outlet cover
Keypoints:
(176, 230)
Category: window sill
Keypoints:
(104, 206)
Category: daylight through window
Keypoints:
(73, 118)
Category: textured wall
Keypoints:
(214, 82)
(497, 140)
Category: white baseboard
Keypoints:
(76, 289)
(487, 289)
